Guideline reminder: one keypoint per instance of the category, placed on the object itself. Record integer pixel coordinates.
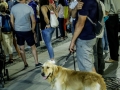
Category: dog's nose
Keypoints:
(43, 74)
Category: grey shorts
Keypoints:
(84, 53)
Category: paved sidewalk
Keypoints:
(31, 79)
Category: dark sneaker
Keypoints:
(38, 65)
(25, 67)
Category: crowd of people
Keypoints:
(27, 17)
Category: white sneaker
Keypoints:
(52, 61)
(103, 53)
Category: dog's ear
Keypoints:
(55, 69)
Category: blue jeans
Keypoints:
(47, 36)
(105, 40)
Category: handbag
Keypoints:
(53, 19)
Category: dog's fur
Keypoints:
(66, 79)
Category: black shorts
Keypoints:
(27, 36)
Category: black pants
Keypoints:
(38, 34)
(112, 33)
(98, 56)
(61, 26)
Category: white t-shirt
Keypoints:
(60, 13)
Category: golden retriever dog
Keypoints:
(62, 78)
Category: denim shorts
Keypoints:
(27, 36)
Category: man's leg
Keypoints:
(16, 46)
(95, 56)
(101, 63)
(31, 42)
(22, 53)
(34, 52)
(84, 53)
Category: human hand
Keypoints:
(71, 47)
(68, 22)
(47, 26)
(35, 37)
(53, 6)
(79, 5)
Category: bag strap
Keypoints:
(98, 3)
(91, 20)
(48, 8)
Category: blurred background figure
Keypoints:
(47, 30)
(7, 36)
(60, 10)
(112, 8)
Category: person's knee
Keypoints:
(21, 50)
(33, 47)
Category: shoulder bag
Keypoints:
(53, 19)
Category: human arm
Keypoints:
(107, 6)
(12, 20)
(37, 8)
(54, 9)
(78, 29)
(77, 7)
(72, 11)
(33, 22)
(58, 8)
(44, 12)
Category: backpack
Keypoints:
(98, 25)
(5, 24)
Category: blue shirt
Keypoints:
(89, 9)
(34, 6)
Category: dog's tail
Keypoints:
(103, 84)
